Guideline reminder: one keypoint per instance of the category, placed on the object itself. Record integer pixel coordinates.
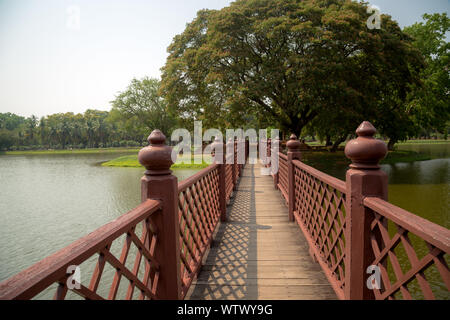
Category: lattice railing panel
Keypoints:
(412, 254)
(228, 180)
(283, 180)
(116, 261)
(320, 211)
(199, 214)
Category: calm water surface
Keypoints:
(49, 201)
(420, 187)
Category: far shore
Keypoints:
(130, 160)
(71, 151)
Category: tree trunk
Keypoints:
(391, 144)
(336, 144)
(328, 142)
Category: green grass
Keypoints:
(338, 158)
(74, 151)
(323, 157)
(424, 142)
(404, 156)
(132, 162)
(319, 144)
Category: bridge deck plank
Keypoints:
(257, 253)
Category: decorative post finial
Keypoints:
(293, 144)
(157, 157)
(366, 152)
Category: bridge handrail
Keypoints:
(30, 282)
(319, 210)
(330, 180)
(384, 246)
(433, 233)
(202, 202)
(351, 227)
(282, 177)
(199, 215)
(186, 183)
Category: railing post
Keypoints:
(234, 165)
(219, 145)
(240, 146)
(276, 175)
(247, 150)
(159, 183)
(293, 154)
(364, 178)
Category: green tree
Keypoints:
(7, 139)
(288, 62)
(431, 101)
(142, 103)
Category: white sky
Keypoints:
(48, 66)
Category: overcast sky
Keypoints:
(50, 63)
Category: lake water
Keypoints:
(49, 201)
(420, 187)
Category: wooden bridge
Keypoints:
(226, 233)
(257, 253)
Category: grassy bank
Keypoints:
(415, 142)
(73, 151)
(325, 158)
(132, 162)
(404, 156)
(424, 142)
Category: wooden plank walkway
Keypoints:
(258, 253)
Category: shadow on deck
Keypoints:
(258, 253)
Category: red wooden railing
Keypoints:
(350, 226)
(170, 233)
(319, 210)
(283, 179)
(199, 210)
(53, 269)
(385, 217)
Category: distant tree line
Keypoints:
(93, 129)
(135, 113)
(310, 67)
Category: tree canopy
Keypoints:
(310, 67)
(431, 102)
(141, 104)
(291, 62)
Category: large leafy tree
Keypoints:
(288, 62)
(432, 100)
(141, 103)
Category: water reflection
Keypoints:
(49, 201)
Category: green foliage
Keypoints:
(7, 139)
(131, 161)
(291, 63)
(431, 101)
(136, 112)
(142, 108)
